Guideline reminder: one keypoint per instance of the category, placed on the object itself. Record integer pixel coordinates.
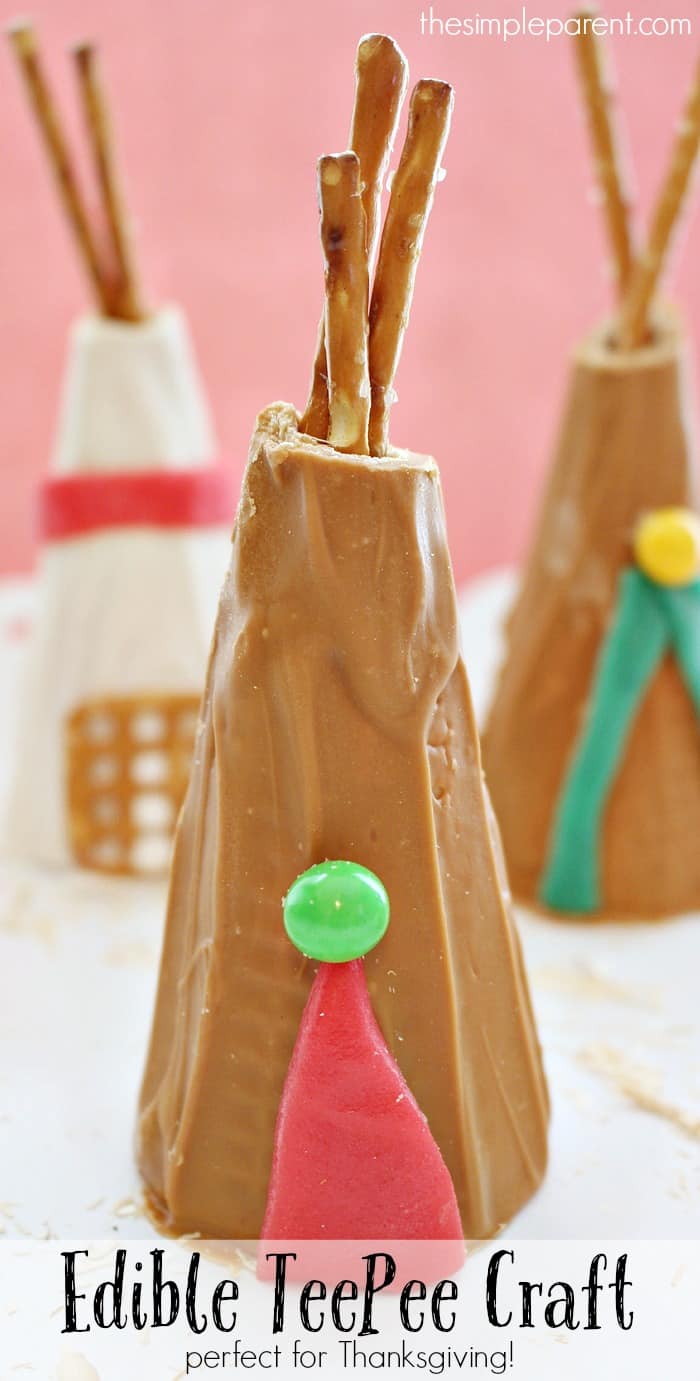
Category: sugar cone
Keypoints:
(626, 447)
(336, 723)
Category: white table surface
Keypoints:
(617, 1008)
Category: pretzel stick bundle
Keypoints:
(380, 85)
(599, 102)
(24, 42)
(128, 300)
(635, 309)
(344, 241)
(113, 278)
(411, 199)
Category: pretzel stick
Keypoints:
(129, 302)
(599, 101)
(411, 199)
(23, 40)
(344, 240)
(633, 318)
(380, 85)
(381, 77)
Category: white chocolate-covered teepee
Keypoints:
(134, 522)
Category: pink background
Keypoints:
(222, 109)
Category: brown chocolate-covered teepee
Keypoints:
(337, 723)
(626, 449)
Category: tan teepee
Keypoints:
(626, 447)
(337, 723)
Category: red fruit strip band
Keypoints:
(73, 505)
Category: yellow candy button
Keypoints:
(667, 545)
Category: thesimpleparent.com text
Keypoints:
(522, 24)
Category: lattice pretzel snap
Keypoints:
(127, 767)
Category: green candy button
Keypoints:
(336, 912)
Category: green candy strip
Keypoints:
(636, 641)
(683, 614)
